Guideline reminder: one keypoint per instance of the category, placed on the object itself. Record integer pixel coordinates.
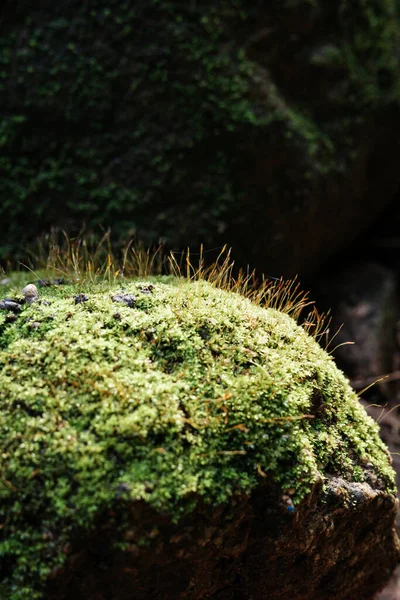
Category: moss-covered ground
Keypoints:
(162, 390)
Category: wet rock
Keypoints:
(80, 298)
(128, 299)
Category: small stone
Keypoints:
(147, 289)
(30, 293)
(8, 304)
(80, 298)
(34, 325)
(44, 283)
(128, 299)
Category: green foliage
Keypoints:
(117, 103)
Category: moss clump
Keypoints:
(166, 391)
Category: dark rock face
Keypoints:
(340, 543)
(246, 123)
(364, 297)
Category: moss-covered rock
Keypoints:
(127, 410)
(256, 122)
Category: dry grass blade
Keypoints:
(388, 413)
(83, 259)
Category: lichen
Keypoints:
(185, 393)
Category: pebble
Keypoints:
(81, 298)
(148, 289)
(128, 299)
(44, 283)
(8, 304)
(30, 293)
(49, 283)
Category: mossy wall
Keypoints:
(191, 122)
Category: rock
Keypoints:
(147, 289)
(127, 299)
(30, 293)
(180, 465)
(392, 591)
(8, 304)
(269, 126)
(48, 282)
(80, 298)
(388, 418)
(44, 283)
(364, 302)
(322, 552)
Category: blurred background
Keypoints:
(273, 127)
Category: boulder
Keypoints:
(189, 444)
(272, 127)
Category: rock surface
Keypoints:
(196, 446)
(363, 296)
(327, 550)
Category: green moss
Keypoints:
(192, 393)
